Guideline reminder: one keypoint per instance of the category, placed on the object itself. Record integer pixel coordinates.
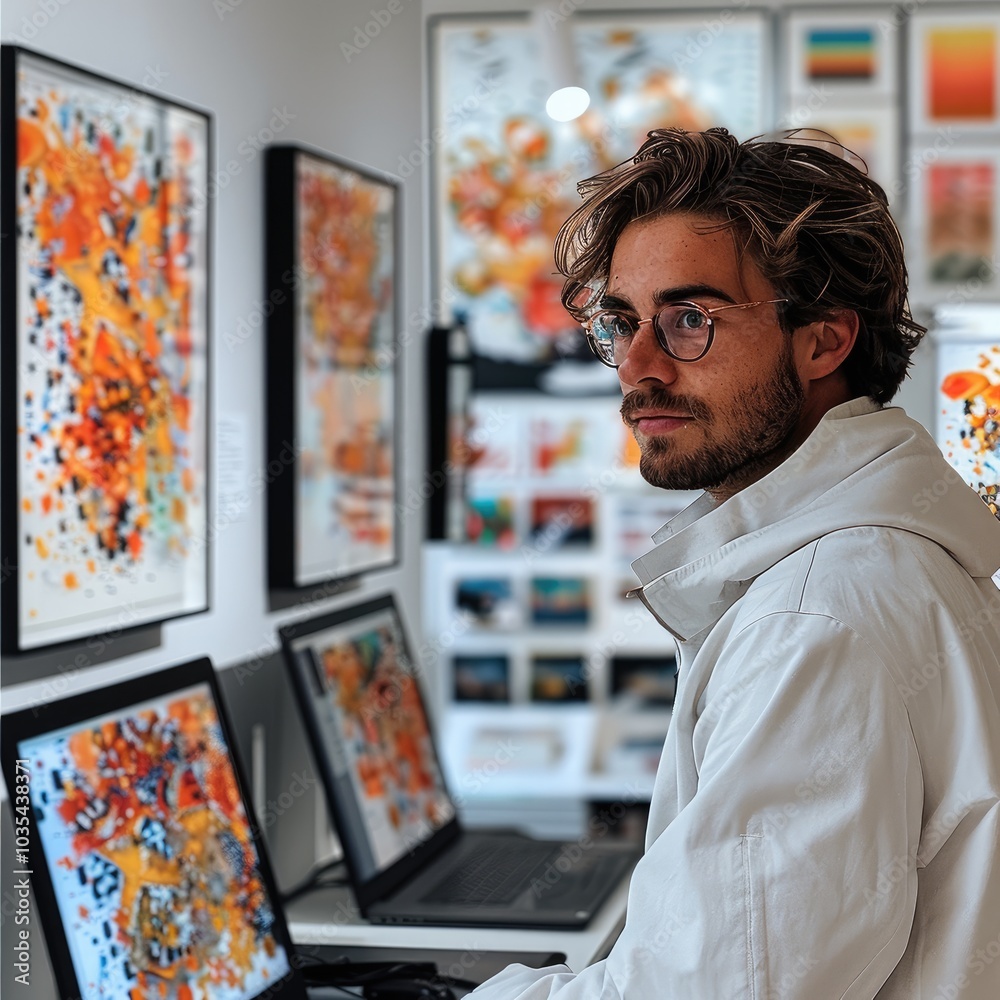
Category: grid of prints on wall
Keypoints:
(532, 608)
(105, 316)
(506, 175)
(333, 241)
(954, 87)
(842, 78)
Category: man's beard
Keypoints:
(766, 416)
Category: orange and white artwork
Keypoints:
(110, 367)
(345, 379)
(969, 412)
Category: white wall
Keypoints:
(245, 60)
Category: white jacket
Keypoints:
(825, 821)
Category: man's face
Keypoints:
(724, 421)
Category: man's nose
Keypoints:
(646, 360)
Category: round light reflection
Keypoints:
(567, 103)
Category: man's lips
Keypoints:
(658, 422)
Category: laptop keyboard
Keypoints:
(493, 871)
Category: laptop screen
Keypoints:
(154, 881)
(372, 733)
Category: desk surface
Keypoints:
(329, 917)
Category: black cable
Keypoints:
(339, 989)
(462, 984)
(361, 973)
(344, 974)
(314, 880)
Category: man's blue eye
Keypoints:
(690, 319)
(610, 327)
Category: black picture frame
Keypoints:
(333, 386)
(106, 319)
(448, 388)
(20, 727)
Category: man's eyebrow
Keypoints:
(664, 295)
(616, 302)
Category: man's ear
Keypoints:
(822, 347)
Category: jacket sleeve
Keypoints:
(791, 871)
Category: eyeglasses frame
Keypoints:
(707, 313)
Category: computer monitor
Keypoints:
(150, 877)
(360, 694)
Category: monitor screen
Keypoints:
(387, 787)
(150, 854)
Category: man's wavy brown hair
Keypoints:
(816, 226)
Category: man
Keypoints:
(825, 821)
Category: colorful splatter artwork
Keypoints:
(151, 856)
(346, 382)
(111, 293)
(385, 740)
(346, 251)
(969, 420)
(507, 175)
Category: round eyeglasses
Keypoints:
(685, 330)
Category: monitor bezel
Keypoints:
(382, 883)
(35, 721)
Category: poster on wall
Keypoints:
(967, 341)
(957, 228)
(481, 677)
(506, 175)
(105, 354)
(954, 65)
(869, 135)
(841, 56)
(333, 244)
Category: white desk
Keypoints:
(329, 917)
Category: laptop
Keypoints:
(150, 879)
(408, 857)
(132, 825)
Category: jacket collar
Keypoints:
(860, 466)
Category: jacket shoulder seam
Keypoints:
(797, 590)
(843, 624)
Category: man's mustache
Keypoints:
(660, 399)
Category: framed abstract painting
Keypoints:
(967, 348)
(332, 277)
(505, 174)
(105, 317)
